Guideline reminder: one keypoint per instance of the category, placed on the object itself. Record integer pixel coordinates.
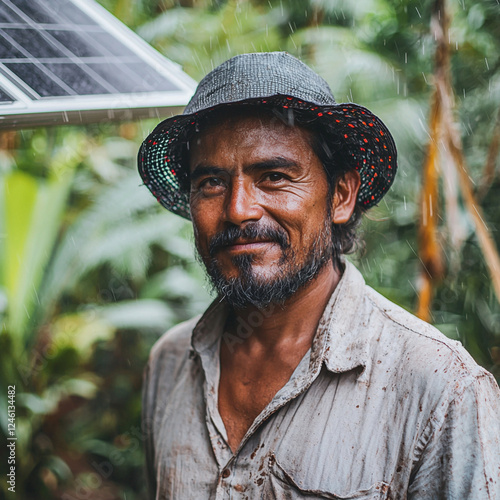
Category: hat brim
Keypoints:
(368, 143)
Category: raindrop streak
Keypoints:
(487, 65)
(414, 289)
(368, 265)
(36, 294)
(479, 215)
(418, 13)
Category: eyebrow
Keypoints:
(202, 170)
(273, 163)
(277, 162)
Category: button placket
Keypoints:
(223, 491)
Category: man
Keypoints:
(299, 381)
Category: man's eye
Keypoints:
(274, 176)
(211, 182)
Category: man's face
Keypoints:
(259, 205)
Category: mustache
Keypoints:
(252, 231)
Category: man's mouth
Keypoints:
(241, 246)
(252, 238)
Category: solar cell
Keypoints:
(150, 77)
(5, 97)
(111, 44)
(79, 43)
(36, 11)
(69, 12)
(78, 79)
(123, 80)
(38, 79)
(7, 50)
(8, 16)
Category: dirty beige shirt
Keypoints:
(383, 406)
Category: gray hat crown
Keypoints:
(258, 75)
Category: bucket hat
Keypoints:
(276, 80)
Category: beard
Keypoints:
(293, 272)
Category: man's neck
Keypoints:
(286, 326)
(261, 348)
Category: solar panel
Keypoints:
(71, 61)
(5, 97)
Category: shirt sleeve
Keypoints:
(461, 458)
(147, 429)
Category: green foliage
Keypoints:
(199, 41)
(82, 275)
(92, 270)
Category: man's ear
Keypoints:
(345, 196)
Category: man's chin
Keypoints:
(241, 296)
(255, 274)
(248, 287)
(258, 289)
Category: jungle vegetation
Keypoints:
(93, 270)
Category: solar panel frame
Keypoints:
(30, 109)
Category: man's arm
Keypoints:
(147, 430)
(461, 455)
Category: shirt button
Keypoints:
(226, 473)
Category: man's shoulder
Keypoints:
(174, 342)
(420, 350)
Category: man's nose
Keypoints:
(242, 204)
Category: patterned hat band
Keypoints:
(279, 81)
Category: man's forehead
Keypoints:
(257, 116)
(258, 128)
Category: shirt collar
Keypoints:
(341, 334)
(341, 341)
(210, 327)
